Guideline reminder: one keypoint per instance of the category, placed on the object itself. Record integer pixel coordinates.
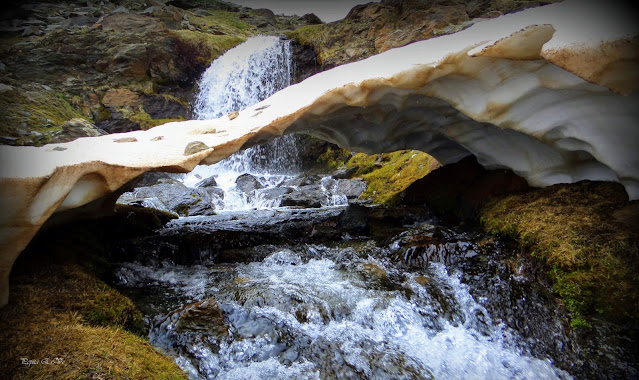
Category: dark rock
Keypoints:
(207, 182)
(345, 173)
(173, 196)
(305, 196)
(247, 183)
(457, 191)
(351, 188)
(119, 126)
(152, 178)
(275, 193)
(311, 19)
(160, 107)
(215, 193)
(203, 317)
(77, 21)
(303, 180)
(76, 128)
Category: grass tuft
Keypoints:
(591, 257)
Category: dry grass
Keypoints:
(61, 315)
(592, 258)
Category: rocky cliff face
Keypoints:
(121, 65)
(374, 28)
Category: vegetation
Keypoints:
(62, 314)
(389, 174)
(34, 111)
(203, 47)
(591, 257)
(147, 122)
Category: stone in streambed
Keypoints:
(247, 183)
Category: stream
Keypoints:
(341, 290)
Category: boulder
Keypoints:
(76, 128)
(312, 196)
(172, 196)
(207, 182)
(247, 183)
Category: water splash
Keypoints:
(242, 77)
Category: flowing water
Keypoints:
(242, 77)
(337, 292)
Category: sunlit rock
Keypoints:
(549, 93)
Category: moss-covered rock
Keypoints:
(590, 251)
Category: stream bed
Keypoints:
(342, 292)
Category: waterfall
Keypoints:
(242, 77)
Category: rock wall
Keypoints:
(549, 93)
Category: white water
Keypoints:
(301, 314)
(242, 77)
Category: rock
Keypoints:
(204, 317)
(305, 196)
(194, 147)
(76, 128)
(152, 178)
(120, 10)
(233, 115)
(31, 31)
(457, 191)
(311, 19)
(345, 173)
(5, 88)
(302, 180)
(126, 140)
(275, 193)
(207, 182)
(77, 21)
(351, 188)
(215, 192)
(120, 98)
(161, 107)
(173, 196)
(123, 22)
(247, 183)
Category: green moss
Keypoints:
(333, 159)
(40, 111)
(224, 22)
(147, 122)
(205, 47)
(389, 174)
(592, 259)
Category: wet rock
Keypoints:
(247, 183)
(204, 317)
(275, 193)
(302, 180)
(351, 188)
(215, 193)
(172, 196)
(305, 196)
(207, 182)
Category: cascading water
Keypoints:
(242, 77)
